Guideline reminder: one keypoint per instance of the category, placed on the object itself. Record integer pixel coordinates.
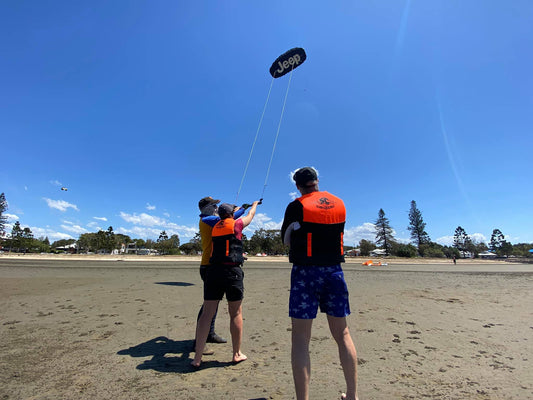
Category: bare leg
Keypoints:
(235, 314)
(212, 327)
(202, 329)
(301, 362)
(203, 275)
(347, 354)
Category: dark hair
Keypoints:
(305, 176)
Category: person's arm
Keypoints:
(293, 213)
(239, 211)
(291, 220)
(250, 216)
(211, 220)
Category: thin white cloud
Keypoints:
(367, 231)
(166, 215)
(262, 221)
(478, 238)
(150, 207)
(181, 230)
(11, 217)
(74, 229)
(445, 240)
(142, 219)
(55, 182)
(100, 218)
(151, 226)
(184, 233)
(475, 237)
(94, 226)
(51, 234)
(140, 232)
(352, 236)
(294, 195)
(60, 205)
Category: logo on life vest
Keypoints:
(325, 204)
(293, 62)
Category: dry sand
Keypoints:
(122, 328)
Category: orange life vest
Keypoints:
(319, 241)
(227, 249)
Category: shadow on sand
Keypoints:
(159, 347)
(175, 283)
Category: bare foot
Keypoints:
(196, 364)
(239, 357)
(344, 397)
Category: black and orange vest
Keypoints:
(227, 249)
(319, 241)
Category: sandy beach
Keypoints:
(76, 327)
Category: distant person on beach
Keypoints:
(224, 275)
(208, 218)
(313, 226)
(454, 260)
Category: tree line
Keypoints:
(422, 245)
(270, 242)
(23, 241)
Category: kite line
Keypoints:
(277, 134)
(253, 145)
(284, 64)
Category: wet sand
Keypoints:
(122, 328)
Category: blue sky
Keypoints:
(142, 108)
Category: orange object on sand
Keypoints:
(370, 263)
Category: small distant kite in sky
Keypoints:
(64, 188)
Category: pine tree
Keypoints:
(417, 226)
(16, 237)
(499, 244)
(496, 240)
(162, 244)
(461, 241)
(384, 232)
(3, 209)
(110, 240)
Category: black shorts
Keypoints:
(203, 271)
(224, 279)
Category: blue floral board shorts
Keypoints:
(318, 286)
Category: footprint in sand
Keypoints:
(41, 314)
(11, 322)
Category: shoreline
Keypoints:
(268, 259)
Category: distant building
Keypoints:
(131, 248)
(69, 248)
(353, 253)
(487, 255)
(378, 253)
(147, 252)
